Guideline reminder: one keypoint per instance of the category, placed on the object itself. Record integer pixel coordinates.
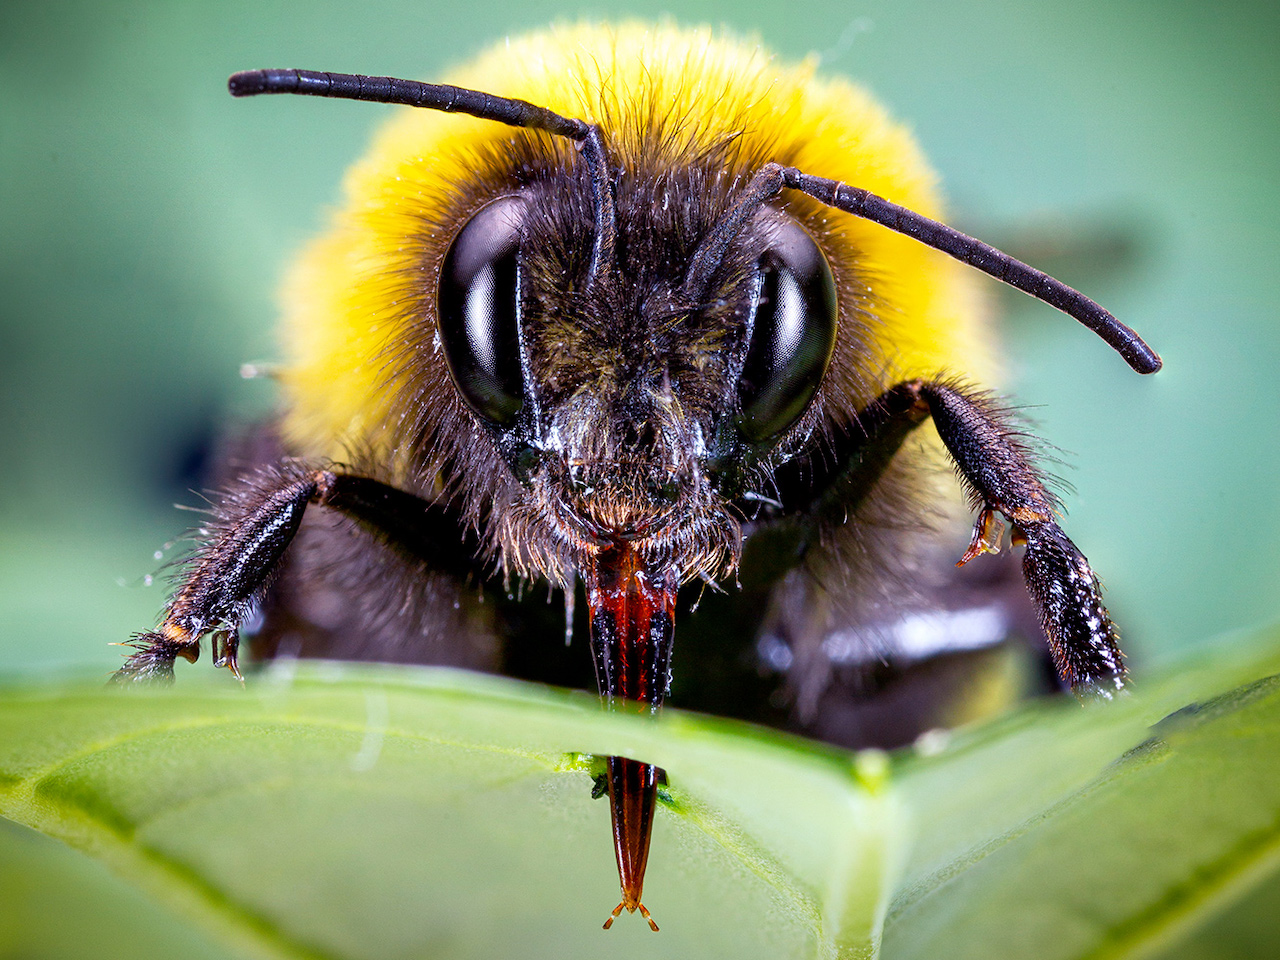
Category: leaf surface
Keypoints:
(350, 812)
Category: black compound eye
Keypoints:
(480, 311)
(793, 332)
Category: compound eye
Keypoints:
(479, 304)
(793, 332)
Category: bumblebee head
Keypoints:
(641, 342)
(632, 349)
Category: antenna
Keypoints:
(767, 183)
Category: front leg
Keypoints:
(995, 465)
(253, 526)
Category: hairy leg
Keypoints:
(254, 524)
(995, 465)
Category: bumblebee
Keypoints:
(658, 315)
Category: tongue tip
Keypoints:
(653, 924)
(633, 791)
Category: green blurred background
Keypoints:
(145, 217)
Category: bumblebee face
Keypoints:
(628, 403)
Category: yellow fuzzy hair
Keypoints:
(341, 300)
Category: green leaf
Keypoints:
(344, 812)
(57, 904)
(1104, 832)
(349, 812)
